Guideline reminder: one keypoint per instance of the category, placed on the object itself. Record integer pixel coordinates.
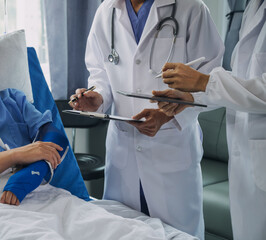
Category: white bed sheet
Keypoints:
(53, 213)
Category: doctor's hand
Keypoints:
(154, 120)
(171, 109)
(86, 101)
(184, 78)
(9, 198)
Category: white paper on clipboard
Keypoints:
(102, 116)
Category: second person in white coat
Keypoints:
(168, 164)
(243, 93)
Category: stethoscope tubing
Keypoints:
(113, 57)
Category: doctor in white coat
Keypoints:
(243, 93)
(168, 164)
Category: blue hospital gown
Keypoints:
(19, 120)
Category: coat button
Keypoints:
(139, 149)
(138, 61)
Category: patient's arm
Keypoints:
(30, 153)
(31, 176)
(26, 180)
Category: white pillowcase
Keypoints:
(14, 69)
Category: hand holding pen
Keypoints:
(86, 100)
(187, 64)
(182, 77)
(74, 99)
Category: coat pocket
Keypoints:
(117, 147)
(258, 162)
(170, 152)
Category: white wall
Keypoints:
(218, 10)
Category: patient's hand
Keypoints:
(9, 198)
(38, 151)
(29, 154)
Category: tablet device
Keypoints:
(160, 99)
(102, 116)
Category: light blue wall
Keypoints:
(218, 10)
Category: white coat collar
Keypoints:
(158, 3)
(252, 17)
(152, 20)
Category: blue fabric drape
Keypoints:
(67, 175)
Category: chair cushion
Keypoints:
(213, 124)
(213, 171)
(91, 166)
(216, 210)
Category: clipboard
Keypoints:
(160, 99)
(102, 116)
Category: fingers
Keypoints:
(39, 151)
(53, 145)
(168, 66)
(160, 93)
(161, 105)
(50, 153)
(74, 99)
(9, 198)
(172, 93)
(142, 114)
(79, 92)
(86, 100)
(168, 108)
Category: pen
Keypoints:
(187, 64)
(76, 98)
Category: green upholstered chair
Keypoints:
(215, 176)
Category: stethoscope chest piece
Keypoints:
(113, 57)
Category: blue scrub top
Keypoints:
(138, 20)
(19, 121)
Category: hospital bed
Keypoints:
(62, 209)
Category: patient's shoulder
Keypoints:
(12, 93)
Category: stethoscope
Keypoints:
(114, 56)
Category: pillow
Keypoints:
(14, 70)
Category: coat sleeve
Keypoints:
(94, 60)
(202, 40)
(226, 90)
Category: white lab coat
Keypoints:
(169, 163)
(245, 99)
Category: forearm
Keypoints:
(7, 160)
(238, 94)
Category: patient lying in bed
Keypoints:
(48, 212)
(20, 124)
